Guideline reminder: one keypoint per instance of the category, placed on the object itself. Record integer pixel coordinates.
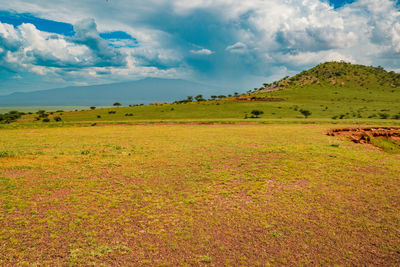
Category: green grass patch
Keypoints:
(387, 145)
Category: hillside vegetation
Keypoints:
(333, 91)
(341, 74)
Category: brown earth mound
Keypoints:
(364, 134)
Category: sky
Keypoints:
(236, 44)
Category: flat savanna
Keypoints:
(218, 195)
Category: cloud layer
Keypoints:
(224, 41)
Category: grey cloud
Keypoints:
(315, 39)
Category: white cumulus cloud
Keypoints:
(204, 52)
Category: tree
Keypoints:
(189, 98)
(305, 112)
(57, 118)
(199, 98)
(117, 104)
(92, 108)
(257, 113)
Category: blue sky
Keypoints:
(237, 44)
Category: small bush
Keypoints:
(256, 113)
(383, 116)
(46, 120)
(305, 112)
(57, 118)
(396, 117)
(85, 152)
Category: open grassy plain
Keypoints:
(176, 195)
(332, 92)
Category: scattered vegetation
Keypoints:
(10, 116)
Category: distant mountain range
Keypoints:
(149, 90)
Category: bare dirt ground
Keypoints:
(364, 134)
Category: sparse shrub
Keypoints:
(396, 117)
(306, 113)
(85, 152)
(383, 116)
(256, 113)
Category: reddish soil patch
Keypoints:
(252, 99)
(26, 119)
(364, 134)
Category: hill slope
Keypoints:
(339, 75)
(143, 91)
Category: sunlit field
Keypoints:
(176, 195)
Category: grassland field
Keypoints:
(181, 195)
(348, 100)
(199, 184)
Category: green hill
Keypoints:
(342, 74)
(333, 91)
